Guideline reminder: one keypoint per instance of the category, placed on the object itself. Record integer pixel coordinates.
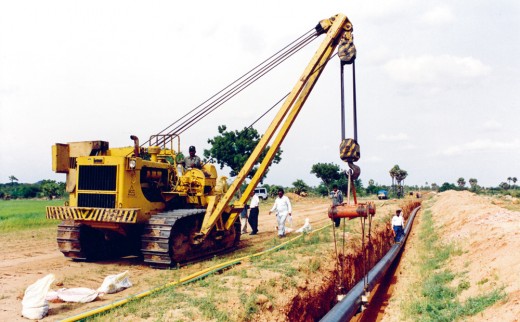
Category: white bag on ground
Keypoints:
(288, 225)
(115, 283)
(306, 227)
(77, 294)
(34, 304)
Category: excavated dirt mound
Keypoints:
(489, 237)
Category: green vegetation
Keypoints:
(26, 214)
(41, 189)
(233, 148)
(438, 296)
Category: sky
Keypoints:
(437, 82)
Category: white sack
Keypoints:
(34, 304)
(115, 283)
(306, 227)
(289, 222)
(77, 294)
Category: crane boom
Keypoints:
(338, 31)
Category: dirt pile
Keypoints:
(489, 237)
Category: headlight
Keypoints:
(131, 164)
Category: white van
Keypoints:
(261, 193)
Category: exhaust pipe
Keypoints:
(136, 145)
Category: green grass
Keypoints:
(24, 214)
(438, 299)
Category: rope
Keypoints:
(339, 266)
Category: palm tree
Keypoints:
(400, 176)
(393, 174)
(461, 182)
(509, 179)
(13, 179)
(473, 183)
(514, 181)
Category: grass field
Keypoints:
(23, 214)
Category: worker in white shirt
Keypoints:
(398, 225)
(282, 207)
(253, 213)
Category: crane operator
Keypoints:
(192, 161)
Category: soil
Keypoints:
(487, 233)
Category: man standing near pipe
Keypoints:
(282, 207)
(398, 225)
(337, 199)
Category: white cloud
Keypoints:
(373, 159)
(492, 125)
(393, 137)
(481, 146)
(408, 146)
(438, 70)
(440, 15)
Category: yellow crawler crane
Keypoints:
(133, 201)
(141, 201)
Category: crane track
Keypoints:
(68, 239)
(167, 239)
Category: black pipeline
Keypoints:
(351, 304)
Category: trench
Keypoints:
(315, 305)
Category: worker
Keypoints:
(192, 161)
(283, 208)
(337, 199)
(253, 213)
(243, 220)
(398, 225)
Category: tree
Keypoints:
(509, 179)
(447, 186)
(273, 190)
(233, 148)
(435, 186)
(461, 183)
(473, 183)
(514, 181)
(503, 185)
(327, 172)
(393, 173)
(50, 188)
(300, 186)
(400, 176)
(13, 179)
(371, 189)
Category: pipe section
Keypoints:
(351, 304)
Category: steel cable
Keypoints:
(243, 81)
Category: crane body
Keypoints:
(141, 200)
